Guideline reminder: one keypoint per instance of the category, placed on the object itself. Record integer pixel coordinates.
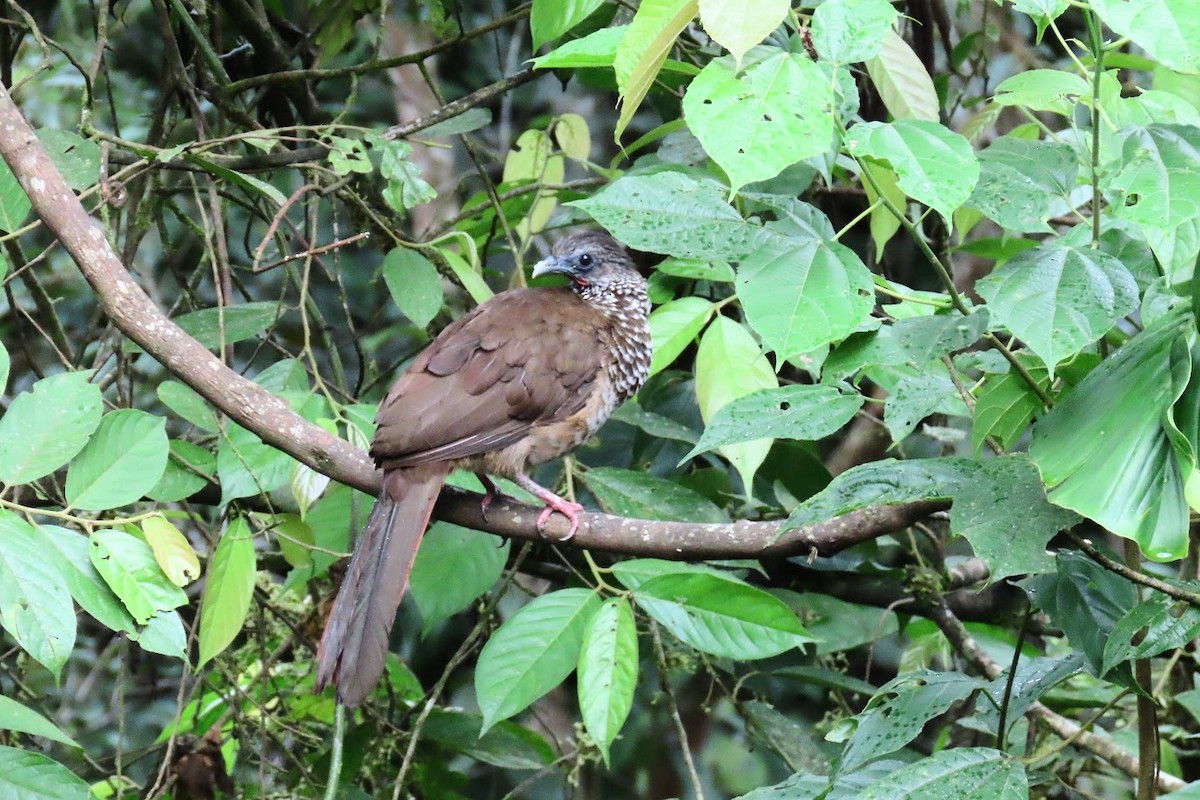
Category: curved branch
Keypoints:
(256, 409)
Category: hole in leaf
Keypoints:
(707, 101)
(767, 118)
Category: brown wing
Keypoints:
(525, 357)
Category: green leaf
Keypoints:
(14, 203)
(1157, 187)
(505, 745)
(886, 482)
(1005, 405)
(532, 653)
(454, 567)
(19, 718)
(251, 184)
(654, 424)
(633, 493)
(405, 188)
(1010, 544)
(35, 607)
(120, 463)
(917, 397)
(884, 223)
(839, 626)
(47, 426)
(902, 81)
(26, 775)
(1035, 676)
(608, 671)
(672, 213)
(550, 19)
(1021, 181)
(738, 25)
(1103, 450)
(128, 567)
(227, 590)
(78, 159)
(1059, 299)
(848, 31)
(926, 339)
(70, 552)
(172, 550)
(802, 293)
(900, 709)
(414, 283)
(643, 50)
(728, 366)
(754, 123)
(936, 166)
(674, 326)
(179, 479)
(1085, 600)
(597, 49)
(188, 404)
(468, 276)
(1053, 90)
(807, 413)
(1169, 30)
(696, 269)
(163, 634)
(247, 466)
(1150, 628)
(964, 773)
(636, 571)
(721, 615)
(216, 327)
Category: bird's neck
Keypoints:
(626, 305)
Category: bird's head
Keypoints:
(594, 261)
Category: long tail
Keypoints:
(354, 646)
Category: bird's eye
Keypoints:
(586, 260)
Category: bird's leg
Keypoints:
(553, 503)
(491, 494)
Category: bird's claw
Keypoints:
(565, 507)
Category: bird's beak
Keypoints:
(551, 264)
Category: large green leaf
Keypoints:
(634, 493)
(885, 482)
(247, 466)
(608, 671)
(789, 412)
(128, 567)
(1103, 450)
(643, 50)
(1169, 30)
(14, 203)
(756, 121)
(935, 165)
(549, 19)
(35, 607)
(120, 463)
(506, 744)
(1151, 628)
(532, 653)
(454, 567)
(70, 551)
(721, 615)
(27, 775)
(800, 294)
(1020, 181)
(16, 717)
(414, 283)
(902, 80)
(916, 397)
(846, 31)
(1005, 405)
(1059, 299)
(217, 327)
(1010, 544)
(672, 213)
(674, 326)
(729, 365)
(963, 773)
(188, 404)
(738, 25)
(1157, 187)
(47, 426)
(900, 709)
(228, 590)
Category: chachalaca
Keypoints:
(522, 379)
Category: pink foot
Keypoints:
(553, 503)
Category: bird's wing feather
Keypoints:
(520, 360)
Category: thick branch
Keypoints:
(248, 404)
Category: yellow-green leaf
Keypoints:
(172, 550)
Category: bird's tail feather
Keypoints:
(354, 646)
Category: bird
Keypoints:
(525, 377)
